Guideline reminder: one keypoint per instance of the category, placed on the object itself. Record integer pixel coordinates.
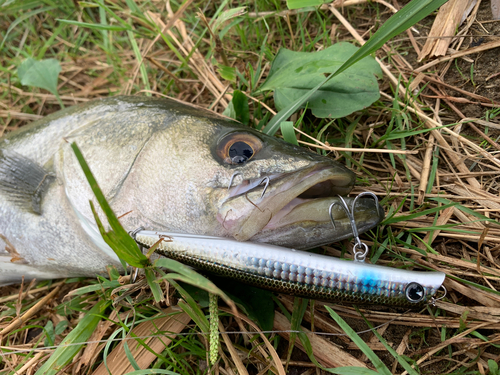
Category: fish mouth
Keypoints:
(292, 209)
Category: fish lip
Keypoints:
(282, 189)
(303, 230)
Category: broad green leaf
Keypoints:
(399, 22)
(75, 340)
(43, 74)
(118, 239)
(293, 74)
(238, 108)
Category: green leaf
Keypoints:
(189, 276)
(399, 22)
(153, 285)
(293, 74)
(288, 132)
(43, 74)
(241, 109)
(228, 73)
(49, 332)
(75, 340)
(118, 239)
(296, 4)
(227, 15)
(95, 26)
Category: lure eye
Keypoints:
(414, 292)
(238, 148)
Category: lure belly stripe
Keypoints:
(297, 272)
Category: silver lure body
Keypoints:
(297, 272)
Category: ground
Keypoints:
(450, 213)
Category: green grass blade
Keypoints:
(288, 132)
(138, 56)
(417, 214)
(76, 339)
(402, 20)
(118, 239)
(375, 360)
(410, 370)
(353, 371)
(94, 26)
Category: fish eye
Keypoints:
(238, 148)
(414, 292)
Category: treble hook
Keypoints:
(358, 255)
(265, 187)
(232, 178)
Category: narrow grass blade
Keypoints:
(187, 275)
(402, 20)
(417, 214)
(410, 370)
(18, 20)
(375, 360)
(72, 344)
(118, 239)
(299, 309)
(138, 56)
(94, 26)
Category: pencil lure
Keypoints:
(296, 272)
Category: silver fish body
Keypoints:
(297, 273)
(165, 166)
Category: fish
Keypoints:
(162, 165)
(299, 273)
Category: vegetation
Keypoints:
(425, 141)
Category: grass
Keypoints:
(446, 221)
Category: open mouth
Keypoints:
(282, 201)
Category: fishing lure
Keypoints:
(296, 272)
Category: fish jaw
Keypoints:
(286, 209)
(305, 223)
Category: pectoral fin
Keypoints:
(23, 181)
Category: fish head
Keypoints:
(180, 169)
(280, 193)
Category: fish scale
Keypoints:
(294, 272)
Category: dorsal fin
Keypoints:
(23, 181)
